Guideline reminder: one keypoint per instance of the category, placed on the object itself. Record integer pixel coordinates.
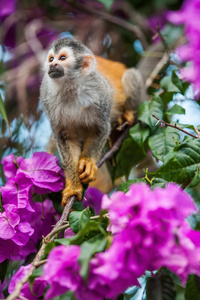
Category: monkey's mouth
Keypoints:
(55, 73)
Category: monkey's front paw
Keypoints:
(71, 191)
(87, 170)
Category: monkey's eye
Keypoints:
(51, 59)
(63, 57)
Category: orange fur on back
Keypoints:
(113, 71)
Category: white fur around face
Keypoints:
(67, 51)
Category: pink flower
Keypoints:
(22, 218)
(7, 7)
(62, 270)
(38, 286)
(149, 231)
(93, 199)
(44, 171)
(189, 16)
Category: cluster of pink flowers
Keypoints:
(188, 15)
(149, 231)
(23, 221)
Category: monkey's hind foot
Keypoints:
(71, 190)
(128, 116)
(87, 170)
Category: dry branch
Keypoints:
(175, 126)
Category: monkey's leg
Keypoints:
(91, 153)
(70, 152)
(133, 86)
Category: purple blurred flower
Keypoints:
(158, 20)
(38, 286)
(189, 16)
(62, 270)
(68, 233)
(7, 7)
(93, 199)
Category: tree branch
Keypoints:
(175, 126)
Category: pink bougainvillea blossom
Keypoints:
(38, 286)
(63, 274)
(23, 222)
(149, 231)
(188, 15)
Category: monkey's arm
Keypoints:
(70, 150)
(91, 152)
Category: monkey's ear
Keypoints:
(88, 64)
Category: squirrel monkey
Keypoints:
(82, 96)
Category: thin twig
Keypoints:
(166, 47)
(114, 148)
(156, 70)
(175, 126)
(61, 224)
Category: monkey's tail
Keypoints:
(134, 88)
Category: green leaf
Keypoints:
(181, 85)
(192, 290)
(147, 108)
(163, 142)
(176, 109)
(139, 133)
(78, 219)
(168, 85)
(158, 182)
(48, 248)
(176, 80)
(88, 249)
(107, 3)
(196, 179)
(36, 273)
(90, 230)
(167, 97)
(181, 164)
(160, 287)
(124, 187)
(4, 115)
(129, 155)
(78, 205)
(67, 296)
(63, 241)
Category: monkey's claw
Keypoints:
(87, 170)
(71, 191)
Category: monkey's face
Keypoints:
(58, 63)
(67, 65)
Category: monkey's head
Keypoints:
(68, 60)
